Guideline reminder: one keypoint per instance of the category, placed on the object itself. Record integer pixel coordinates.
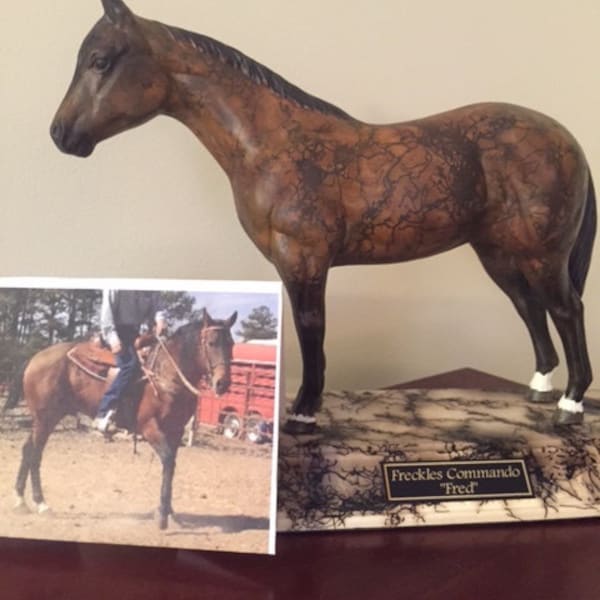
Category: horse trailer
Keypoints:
(246, 410)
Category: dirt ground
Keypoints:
(102, 492)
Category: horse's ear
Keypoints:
(117, 12)
(232, 319)
(205, 318)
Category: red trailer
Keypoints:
(247, 409)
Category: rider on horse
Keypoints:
(123, 313)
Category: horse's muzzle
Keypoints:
(70, 143)
(221, 386)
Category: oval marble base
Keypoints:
(334, 480)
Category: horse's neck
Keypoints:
(224, 123)
(240, 120)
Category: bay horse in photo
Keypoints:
(316, 188)
(53, 386)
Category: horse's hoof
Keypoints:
(162, 520)
(43, 509)
(564, 418)
(295, 427)
(537, 397)
(21, 507)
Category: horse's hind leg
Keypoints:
(20, 504)
(506, 274)
(566, 309)
(31, 458)
(40, 435)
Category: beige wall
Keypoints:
(153, 203)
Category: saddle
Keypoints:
(98, 361)
(93, 358)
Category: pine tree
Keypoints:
(261, 324)
(31, 319)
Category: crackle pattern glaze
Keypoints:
(334, 480)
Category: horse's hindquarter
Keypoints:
(492, 173)
(52, 383)
(536, 178)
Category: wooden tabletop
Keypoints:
(554, 560)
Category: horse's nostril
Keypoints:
(57, 131)
(221, 386)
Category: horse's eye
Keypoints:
(101, 63)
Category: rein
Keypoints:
(148, 371)
(189, 386)
(194, 390)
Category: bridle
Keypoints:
(186, 382)
(204, 347)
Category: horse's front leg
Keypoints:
(167, 453)
(308, 305)
(168, 456)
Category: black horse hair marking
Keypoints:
(256, 72)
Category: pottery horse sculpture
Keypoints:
(316, 188)
(54, 386)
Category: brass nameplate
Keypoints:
(456, 480)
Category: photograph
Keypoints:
(140, 412)
(300, 300)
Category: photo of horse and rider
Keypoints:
(130, 360)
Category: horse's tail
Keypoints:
(581, 255)
(15, 389)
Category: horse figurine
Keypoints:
(316, 188)
(54, 386)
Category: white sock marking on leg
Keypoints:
(570, 405)
(42, 507)
(541, 382)
(302, 419)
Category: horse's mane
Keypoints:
(186, 337)
(256, 72)
(187, 334)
